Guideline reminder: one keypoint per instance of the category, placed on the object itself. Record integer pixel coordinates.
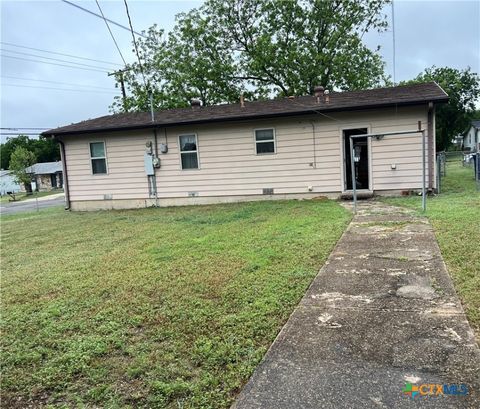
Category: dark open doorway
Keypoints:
(361, 167)
(53, 180)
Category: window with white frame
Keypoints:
(98, 158)
(188, 151)
(264, 141)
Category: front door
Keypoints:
(362, 165)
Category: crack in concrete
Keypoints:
(382, 311)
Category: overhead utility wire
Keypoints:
(17, 129)
(52, 63)
(110, 31)
(60, 89)
(56, 82)
(52, 59)
(19, 133)
(98, 15)
(309, 108)
(135, 45)
(145, 83)
(57, 53)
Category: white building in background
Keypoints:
(471, 137)
(8, 183)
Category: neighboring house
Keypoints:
(458, 141)
(296, 147)
(8, 183)
(471, 137)
(46, 176)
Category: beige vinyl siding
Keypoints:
(229, 165)
(126, 176)
(405, 151)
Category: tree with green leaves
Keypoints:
(45, 150)
(20, 160)
(463, 89)
(261, 48)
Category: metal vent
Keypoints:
(107, 196)
(192, 194)
(268, 191)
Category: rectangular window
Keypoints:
(264, 141)
(188, 151)
(98, 158)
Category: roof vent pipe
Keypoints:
(242, 101)
(319, 91)
(195, 103)
(327, 96)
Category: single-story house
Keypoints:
(471, 137)
(46, 176)
(8, 183)
(295, 147)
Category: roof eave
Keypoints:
(309, 111)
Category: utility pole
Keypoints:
(394, 45)
(119, 75)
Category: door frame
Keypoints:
(343, 179)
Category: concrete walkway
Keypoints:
(381, 312)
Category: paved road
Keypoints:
(380, 320)
(30, 205)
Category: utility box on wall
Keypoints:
(148, 161)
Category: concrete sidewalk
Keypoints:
(381, 312)
(60, 195)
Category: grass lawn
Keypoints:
(23, 196)
(152, 308)
(455, 216)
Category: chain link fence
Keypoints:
(477, 169)
(467, 159)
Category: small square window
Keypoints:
(264, 141)
(98, 158)
(188, 151)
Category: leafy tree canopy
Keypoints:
(20, 159)
(45, 150)
(256, 47)
(463, 89)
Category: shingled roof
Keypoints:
(44, 168)
(338, 101)
(476, 124)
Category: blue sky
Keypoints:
(442, 33)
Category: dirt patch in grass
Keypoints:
(152, 308)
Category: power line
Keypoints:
(17, 129)
(57, 53)
(52, 63)
(19, 133)
(60, 89)
(55, 82)
(53, 59)
(110, 31)
(98, 15)
(135, 44)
